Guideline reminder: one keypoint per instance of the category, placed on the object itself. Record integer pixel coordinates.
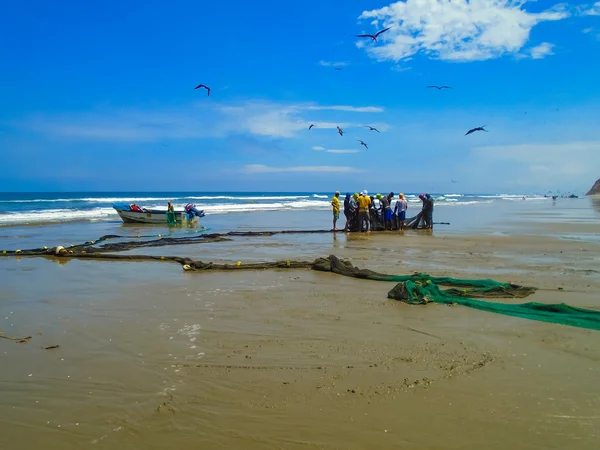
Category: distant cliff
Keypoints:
(595, 190)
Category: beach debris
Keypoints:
(311, 125)
(373, 36)
(4, 252)
(239, 263)
(187, 267)
(371, 128)
(24, 340)
(473, 130)
(18, 251)
(362, 143)
(203, 86)
(340, 131)
(52, 347)
(439, 88)
(60, 250)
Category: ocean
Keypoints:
(38, 208)
(32, 220)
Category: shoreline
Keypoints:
(98, 210)
(576, 220)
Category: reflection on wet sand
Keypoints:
(596, 203)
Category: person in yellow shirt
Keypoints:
(335, 204)
(363, 210)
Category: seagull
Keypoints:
(439, 88)
(203, 86)
(473, 130)
(362, 143)
(373, 36)
(340, 131)
(371, 128)
(311, 125)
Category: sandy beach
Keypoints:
(153, 357)
(300, 225)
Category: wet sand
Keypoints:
(152, 357)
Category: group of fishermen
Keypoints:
(375, 212)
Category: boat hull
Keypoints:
(153, 217)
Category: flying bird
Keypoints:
(362, 143)
(373, 36)
(439, 88)
(473, 130)
(371, 128)
(203, 86)
(340, 131)
(337, 68)
(311, 125)
(454, 181)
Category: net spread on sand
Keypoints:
(416, 289)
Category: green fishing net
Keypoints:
(422, 292)
(171, 218)
(422, 289)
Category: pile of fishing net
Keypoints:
(420, 289)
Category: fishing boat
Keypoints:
(136, 214)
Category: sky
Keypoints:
(100, 97)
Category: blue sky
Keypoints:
(101, 97)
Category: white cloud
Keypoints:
(268, 119)
(260, 168)
(122, 125)
(332, 63)
(277, 122)
(550, 162)
(364, 109)
(192, 121)
(591, 30)
(541, 51)
(454, 30)
(593, 10)
(319, 148)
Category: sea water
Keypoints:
(29, 220)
